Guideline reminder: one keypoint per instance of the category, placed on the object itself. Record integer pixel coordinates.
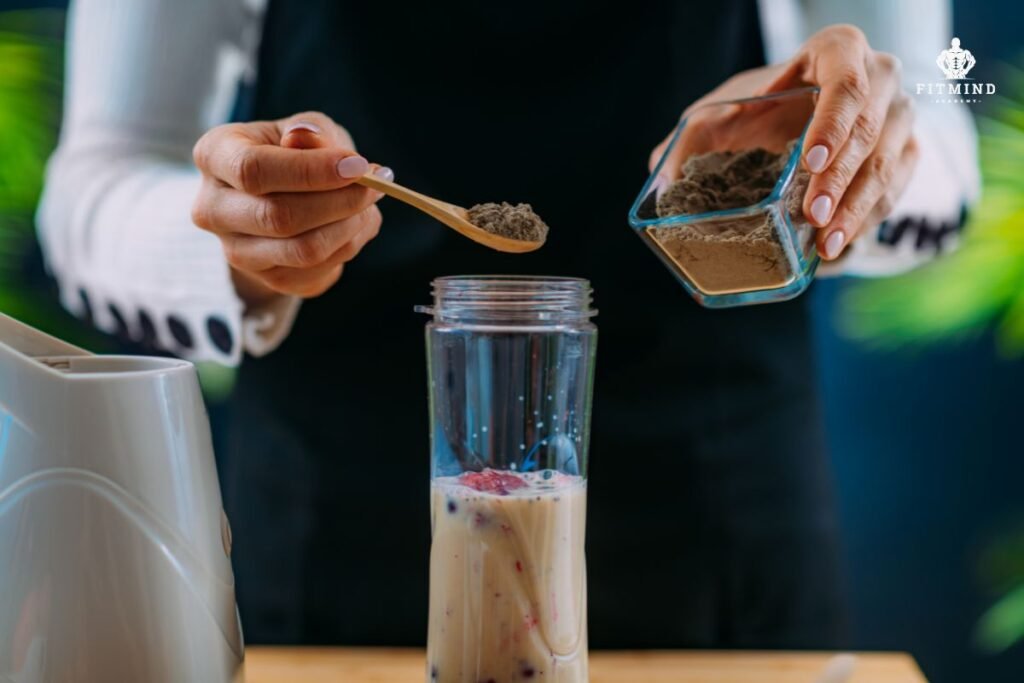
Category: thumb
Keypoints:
(302, 135)
(311, 130)
(696, 136)
(658, 152)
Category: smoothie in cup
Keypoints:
(508, 590)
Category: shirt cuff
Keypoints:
(266, 326)
(168, 286)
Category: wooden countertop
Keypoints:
(371, 665)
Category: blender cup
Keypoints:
(728, 221)
(511, 362)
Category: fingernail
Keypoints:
(816, 158)
(353, 166)
(661, 182)
(302, 125)
(821, 209)
(385, 173)
(834, 244)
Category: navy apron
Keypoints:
(710, 519)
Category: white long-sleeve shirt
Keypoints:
(146, 79)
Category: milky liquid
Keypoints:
(508, 580)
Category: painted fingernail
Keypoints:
(353, 166)
(834, 244)
(660, 184)
(385, 173)
(821, 209)
(816, 158)
(303, 125)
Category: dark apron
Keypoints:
(710, 520)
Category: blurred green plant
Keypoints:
(29, 87)
(1001, 567)
(30, 91)
(979, 287)
(31, 75)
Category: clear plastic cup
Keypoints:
(757, 247)
(511, 366)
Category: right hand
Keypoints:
(281, 197)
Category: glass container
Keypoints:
(722, 208)
(511, 367)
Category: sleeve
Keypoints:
(144, 80)
(929, 215)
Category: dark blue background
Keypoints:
(928, 471)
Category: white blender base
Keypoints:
(114, 549)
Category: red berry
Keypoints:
(492, 481)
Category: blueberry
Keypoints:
(433, 673)
(452, 506)
(528, 672)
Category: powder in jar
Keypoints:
(732, 254)
(517, 222)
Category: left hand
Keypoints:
(859, 147)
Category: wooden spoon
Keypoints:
(455, 217)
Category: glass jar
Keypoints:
(511, 367)
(722, 208)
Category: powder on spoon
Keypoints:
(737, 253)
(517, 222)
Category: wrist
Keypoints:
(251, 291)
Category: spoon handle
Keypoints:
(435, 207)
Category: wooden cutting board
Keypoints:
(349, 665)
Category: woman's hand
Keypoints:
(281, 197)
(859, 147)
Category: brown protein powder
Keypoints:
(732, 254)
(517, 222)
